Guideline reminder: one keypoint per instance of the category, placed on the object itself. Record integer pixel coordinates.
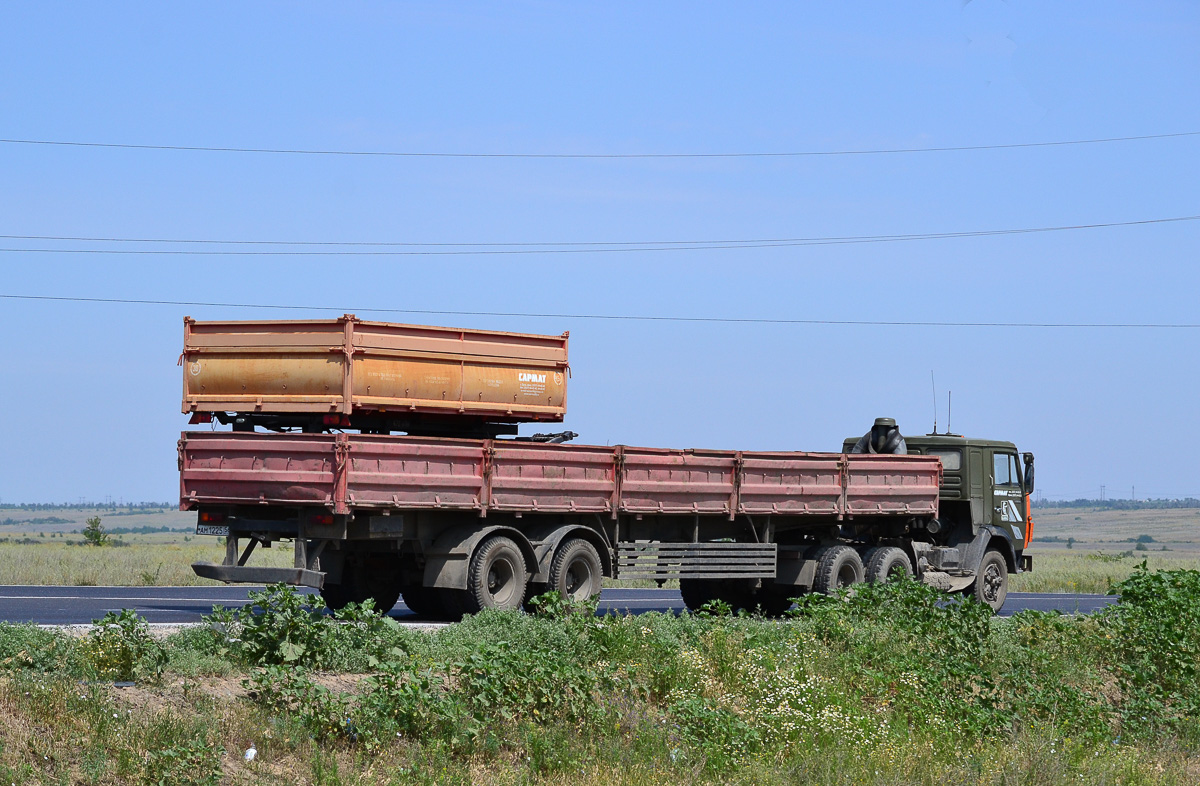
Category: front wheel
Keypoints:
(991, 583)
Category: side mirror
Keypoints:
(1028, 473)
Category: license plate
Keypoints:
(212, 529)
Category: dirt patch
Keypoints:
(179, 694)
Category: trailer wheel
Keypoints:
(496, 577)
(385, 592)
(887, 563)
(837, 567)
(991, 583)
(775, 600)
(423, 601)
(736, 592)
(334, 596)
(576, 572)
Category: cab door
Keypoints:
(1008, 501)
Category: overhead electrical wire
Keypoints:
(611, 317)
(538, 247)
(444, 154)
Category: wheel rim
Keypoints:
(846, 576)
(992, 581)
(577, 581)
(501, 581)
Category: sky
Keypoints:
(90, 391)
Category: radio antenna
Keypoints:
(949, 394)
(933, 384)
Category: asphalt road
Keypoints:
(81, 605)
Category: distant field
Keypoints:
(37, 551)
(37, 548)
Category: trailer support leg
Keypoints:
(249, 549)
(231, 550)
(300, 559)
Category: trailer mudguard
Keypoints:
(447, 559)
(546, 539)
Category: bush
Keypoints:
(94, 532)
(120, 647)
(281, 626)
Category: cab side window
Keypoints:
(1005, 468)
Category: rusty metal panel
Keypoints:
(790, 483)
(345, 472)
(414, 473)
(243, 468)
(551, 478)
(349, 365)
(676, 481)
(889, 484)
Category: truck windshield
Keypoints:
(951, 459)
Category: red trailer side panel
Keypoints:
(345, 472)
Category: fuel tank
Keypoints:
(349, 366)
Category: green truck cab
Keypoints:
(984, 526)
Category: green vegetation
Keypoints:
(94, 532)
(891, 685)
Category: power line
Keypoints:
(414, 154)
(538, 247)
(611, 317)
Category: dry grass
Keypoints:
(141, 564)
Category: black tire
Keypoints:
(423, 601)
(887, 563)
(576, 571)
(991, 582)
(334, 596)
(352, 589)
(837, 567)
(496, 577)
(385, 593)
(775, 600)
(736, 592)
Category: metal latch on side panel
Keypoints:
(386, 526)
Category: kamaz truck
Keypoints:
(454, 516)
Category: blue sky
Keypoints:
(90, 392)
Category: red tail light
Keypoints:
(200, 417)
(208, 517)
(324, 519)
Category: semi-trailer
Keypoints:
(456, 524)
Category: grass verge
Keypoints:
(889, 686)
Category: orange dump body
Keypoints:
(348, 366)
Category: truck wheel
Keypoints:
(334, 596)
(496, 577)
(887, 563)
(385, 593)
(353, 588)
(423, 601)
(837, 567)
(735, 592)
(991, 583)
(576, 571)
(775, 600)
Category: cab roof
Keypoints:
(944, 441)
